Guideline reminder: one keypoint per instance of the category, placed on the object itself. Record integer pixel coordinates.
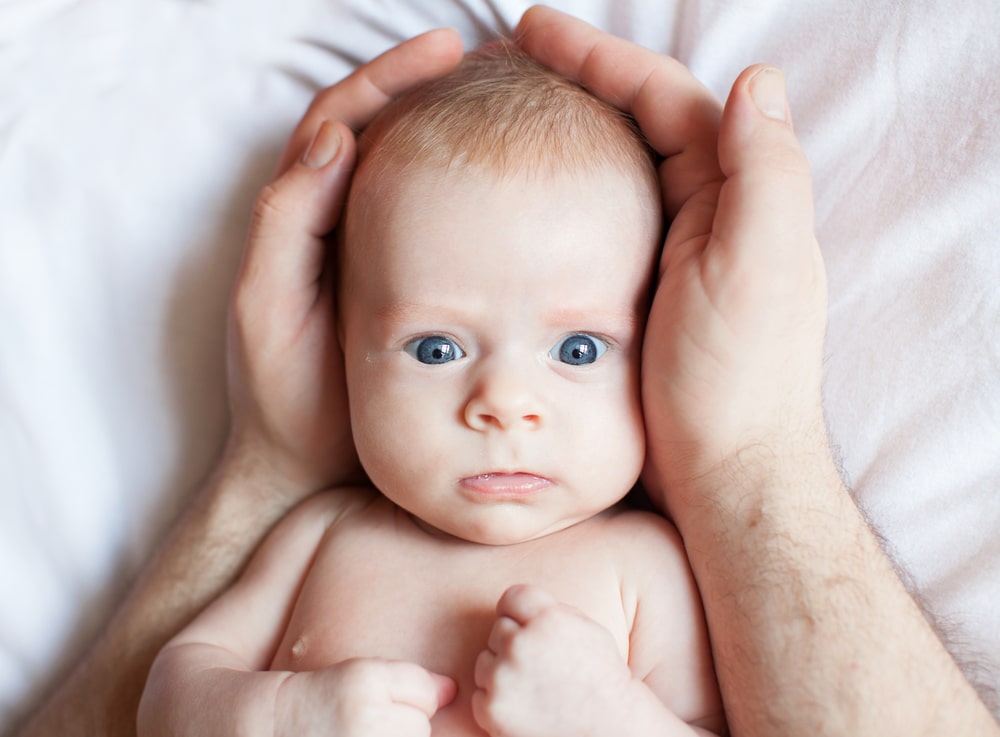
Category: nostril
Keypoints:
(486, 420)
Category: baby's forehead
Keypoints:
(425, 181)
(461, 192)
(463, 220)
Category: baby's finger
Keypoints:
(504, 630)
(447, 689)
(481, 710)
(677, 114)
(412, 685)
(357, 98)
(486, 663)
(523, 603)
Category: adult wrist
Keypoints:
(270, 467)
(247, 474)
(780, 476)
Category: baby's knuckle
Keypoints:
(369, 672)
(362, 681)
(523, 648)
(551, 623)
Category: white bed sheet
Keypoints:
(133, 138)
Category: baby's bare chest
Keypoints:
(374, 592)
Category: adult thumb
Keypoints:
(286, 249)
(765, 209)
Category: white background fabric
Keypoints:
(134, 136)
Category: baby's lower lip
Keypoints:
(505, 485)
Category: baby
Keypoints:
(496, 261)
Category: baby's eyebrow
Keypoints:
(400, 311)
(611, 320)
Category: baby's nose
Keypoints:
(504, 399)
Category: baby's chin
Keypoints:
(499, 534)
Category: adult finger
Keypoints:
(734, 347)
(677, 114)
(303, 203)
(357, 98)
(766, 206)
(285, 250)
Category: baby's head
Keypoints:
(496, 260)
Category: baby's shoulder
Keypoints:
(640, 533)
(329, 506)
(651, 560)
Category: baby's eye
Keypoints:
(434, 349)
(579, 349)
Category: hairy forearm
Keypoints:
(205, 550)
(811, 628)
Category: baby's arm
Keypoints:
(669, 650)
(209, 671)
(550, 669)
(212, 677)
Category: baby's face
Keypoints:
(492, 332)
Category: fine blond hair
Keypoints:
(503, 112)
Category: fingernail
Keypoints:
(767, 88)
(324, 147)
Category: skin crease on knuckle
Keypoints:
(269, 207)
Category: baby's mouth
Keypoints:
(504, 485)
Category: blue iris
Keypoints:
(434, 349)
(579, 349)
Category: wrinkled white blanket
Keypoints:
(133, 137)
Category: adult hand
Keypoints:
(286, 377)
(733, 351)
(808, 620)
